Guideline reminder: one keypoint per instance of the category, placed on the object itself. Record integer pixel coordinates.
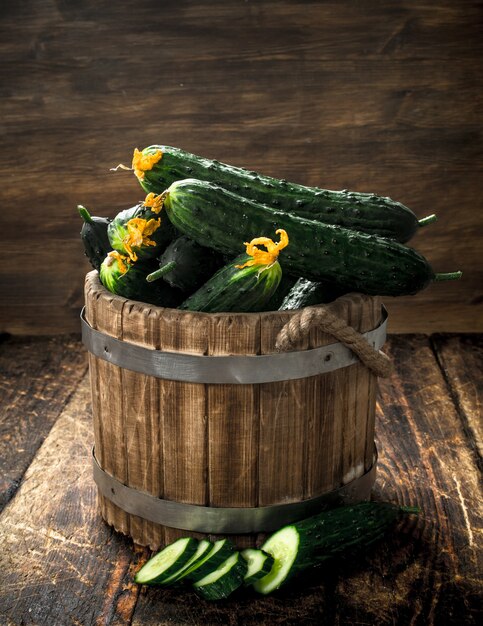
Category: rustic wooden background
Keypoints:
(368, 95)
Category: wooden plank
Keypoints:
(233, 421)
(37, 378)
(461, 358)
(399, 83)
(60, 563)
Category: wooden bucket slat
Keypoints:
(225, 445)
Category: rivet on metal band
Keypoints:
(236, 369)
(231, 520)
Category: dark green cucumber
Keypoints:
(297, 547)
(192, 264)
(357, 211)
(132, 284)
(350, 260)
(259, 564)
(221, 550)
(94, 237)
(162, 565)
(221, 582)
(286, 285)
(118, 233)
(235, 289)
(308, 293)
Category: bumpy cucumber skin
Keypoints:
(195, 264)
(332, 532)
(308, 293)
(350, 260)
(95, 240)
(117, 230)
(133, 285)
(357, 211)
(234, 289)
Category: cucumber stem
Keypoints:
(84, 213)
(161, 272)
(427, 220)
(448, 276)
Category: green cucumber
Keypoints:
(308, 293)
(363, 212)
(165, 563)
(221, 550)
(259, 564)
(297, 547)
(202, 550)
(127, 279)
(236, 289)
(186, 265)
(152, 245)
(94, 237)
(221, 582)
(352, 261)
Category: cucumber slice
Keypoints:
(167, 562)
(259, 564)
(284, 548)
(203, 547)
(221, 550)
(221, 582)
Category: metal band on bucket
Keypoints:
(231, 520)
(236, 369)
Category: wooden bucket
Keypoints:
(257, 451)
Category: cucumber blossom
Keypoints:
(363, 212)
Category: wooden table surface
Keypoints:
(60, 564)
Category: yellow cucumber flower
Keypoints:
(138, 230)
(143, 162)
(264, 257)
(122, 261)
(154, 202)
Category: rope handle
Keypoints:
(300, 324)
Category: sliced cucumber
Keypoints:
(259, 564)
(284, 547)
(203, 547)
(221, 582)
(167, 562)
(221, 550)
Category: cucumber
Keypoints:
(352, 261)
(139, 233)
(186, 265)
(203, 548)
(308, 293)
(233, 288)
(94, 237)
(124, 278)
(221, 550)
(259, 564)
(167, 562)
(364, 212)
(221, 582)
(297, 547)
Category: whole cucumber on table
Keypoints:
(305, 544)
(94, 237)
(352, 261)
(157, 167)
(245, 284)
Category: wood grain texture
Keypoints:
(377, 97)
(59, 563)
(36, 381)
